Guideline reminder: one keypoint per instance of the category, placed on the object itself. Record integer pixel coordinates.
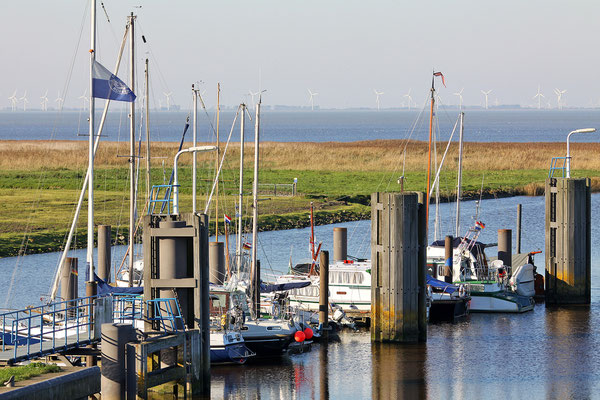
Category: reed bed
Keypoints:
(375, 155)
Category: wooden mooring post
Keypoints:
(324, 295)
(398, 243)
(568, 241)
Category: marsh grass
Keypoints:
(40, 181)
(374, 155)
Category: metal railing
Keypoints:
(38, 328)
(62, 325)
(554, 167)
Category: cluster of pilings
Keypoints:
(398, 256)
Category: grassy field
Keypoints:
(23, 372)
(40, 181)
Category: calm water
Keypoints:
(547, 353)
(317, 126)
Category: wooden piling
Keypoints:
(340, 244)
(104, 249)
(397, 275)
(216, 262)
(568, 241)
(505, 246)
(449, 251)
(519, 215)
(324, 294)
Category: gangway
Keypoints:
(64, 326)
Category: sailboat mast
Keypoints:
(238, 247)
(217, 164)
(429, 152)
(131, 147)
(194, 139)
(255, 195)
(90, 227)
(147, 136)
(459, 183)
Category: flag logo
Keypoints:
(247, 246)
(106, 85)
(227, 219)
(479, 225)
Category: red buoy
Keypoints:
(308, 333)
(299, 336)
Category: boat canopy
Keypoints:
(444, 286)
(476, 250)
(106, 289)
(277, 287)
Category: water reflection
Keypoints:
(570, 357)
(399, 371)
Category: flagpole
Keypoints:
(90, 225)
(429, 152)
(238, 247)
(131, 149)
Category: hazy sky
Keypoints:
(340, 49)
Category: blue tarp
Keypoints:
(104, 288)
(444, 286)
(276, 287)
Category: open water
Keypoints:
(319, 126)
(547, 353)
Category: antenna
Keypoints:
(486, 94)
(312, 101)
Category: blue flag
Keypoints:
(106, 85)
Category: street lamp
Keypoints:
(587, 130)
(197, 149)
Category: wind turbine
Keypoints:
(459, 94)
(252, 94)
(312, 101)
(486, 94)
(377, 98)
(84, 99)
(44, 102)
(539, 96)
(168, 96)
(25, 101)
(13, 99)
(559, 94)
(407, 95)
(60, 101)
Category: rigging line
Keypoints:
(154, 59)
(221, 164)
(212, 127)
(25, 241)
(406, 142)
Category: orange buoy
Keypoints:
(299, 336)
(308, 333)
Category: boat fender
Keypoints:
(461, 290)
(429, 291)
(224, 321)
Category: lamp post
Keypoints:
(196, 149)
(587, 130)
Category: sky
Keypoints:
(341, 49)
